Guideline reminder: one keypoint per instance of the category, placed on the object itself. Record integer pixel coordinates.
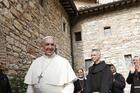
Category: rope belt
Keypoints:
(136, 86)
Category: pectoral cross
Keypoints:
(39, 77)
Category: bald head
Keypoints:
(48, 45)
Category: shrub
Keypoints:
(17, 83)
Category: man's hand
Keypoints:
(138, 68)
(132, 68)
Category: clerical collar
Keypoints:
(53, 55)
(114, 73)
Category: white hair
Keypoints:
(46, 37)
(49, 37)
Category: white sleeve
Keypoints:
(69, 88)
(30, 89)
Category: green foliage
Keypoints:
(17, 83)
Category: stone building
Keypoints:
(114, 28)
(23, 23)
(78, 25)
(110, 27)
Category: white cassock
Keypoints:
(57, 75)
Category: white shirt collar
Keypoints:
(53, 55)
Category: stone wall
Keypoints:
(123, 38)
(2, 48)
(23, 23)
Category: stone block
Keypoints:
(19, 8)
(6, 3)
(10, 40)
(15, 12)
(27, 16)
(18, 25)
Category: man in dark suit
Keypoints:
(134, 75)
(4, 82)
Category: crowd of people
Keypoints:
(52, 73)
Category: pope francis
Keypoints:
(50, 73)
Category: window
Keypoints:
(128, 59)
(87, 63)
(64, 27)
(107, 31)
(78, 36)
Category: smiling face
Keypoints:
(136, 62)
(80, 73)
(95, 56)
(48, 45)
